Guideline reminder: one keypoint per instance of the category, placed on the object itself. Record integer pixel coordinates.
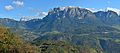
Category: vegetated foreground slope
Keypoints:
(9, 43)
(63, 47)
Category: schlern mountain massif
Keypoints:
(78, 26)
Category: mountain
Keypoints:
(65, 19)
(10, 23)
(109, 17)
(75, 25)
(113, 9)
(72, 18)
(24, 19)
(68, 19)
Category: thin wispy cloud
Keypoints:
(94, 10)
(42, 14)
(18, 3)
(19, 14)
(30, 8)
(37, 10)
(108, 2)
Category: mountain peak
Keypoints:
(70, 12)
(63, 8)
(113, 9)
(50, 10)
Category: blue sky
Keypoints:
(31, 8)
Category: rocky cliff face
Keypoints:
(109, 17)
(68, 18)
(70, 12)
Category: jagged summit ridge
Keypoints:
(113, 9)
(69, 12)
(93, 10)
(64, 8)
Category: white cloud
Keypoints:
(19, 14)
(42, 14)
(18, 3)
(36, 10)
(114, 9)
(9, 7)
(107, 9)
(94, 10)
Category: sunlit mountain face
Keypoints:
(59, 26)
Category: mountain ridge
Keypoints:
(59, 19)
(74, 25)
